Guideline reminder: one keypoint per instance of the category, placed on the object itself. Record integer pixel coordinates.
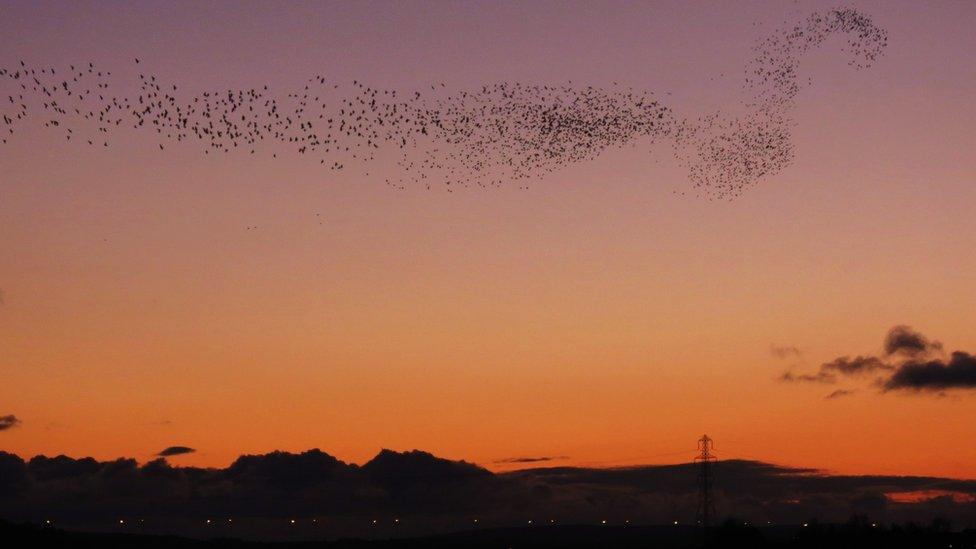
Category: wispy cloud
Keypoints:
(533, 459)
(176, 451)
(8, 422)
(818, 377)
(785, 351)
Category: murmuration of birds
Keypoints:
(506, 133)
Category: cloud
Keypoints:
(904, 340)
(959, 372)
(8, 422)
(909, 361)
(390, 469)
(819, 377)
(840, 366)
(840, 393)
(531, 459)
(176, 451)
(855, 366)
(784, 352)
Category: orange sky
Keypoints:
(594, 315)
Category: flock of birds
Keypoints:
(503, 133)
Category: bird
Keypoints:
(501, 133)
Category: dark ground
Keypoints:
(853, 535)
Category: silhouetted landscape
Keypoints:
(409, 495)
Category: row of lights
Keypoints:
(122, 522)
(315, 520)
(873, 524)
(211, 521)
(230, 520)
(397, 521)
(604, 521)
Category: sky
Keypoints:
(594, 316)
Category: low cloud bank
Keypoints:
(429, 494)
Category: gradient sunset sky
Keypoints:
(595, 316)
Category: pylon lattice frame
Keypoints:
(706, 503)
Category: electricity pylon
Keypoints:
(706, 505)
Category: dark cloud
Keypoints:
(531, 459)
(14, 478)
(819, 377)
(176, 451)
(391, 468)
(784, 352)
(432, 494)
(840, 393)
(840, 366)
(909, 361)
(8, 422)
(855, 366)
(904, 340)
(43, 468)
(959, 372)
